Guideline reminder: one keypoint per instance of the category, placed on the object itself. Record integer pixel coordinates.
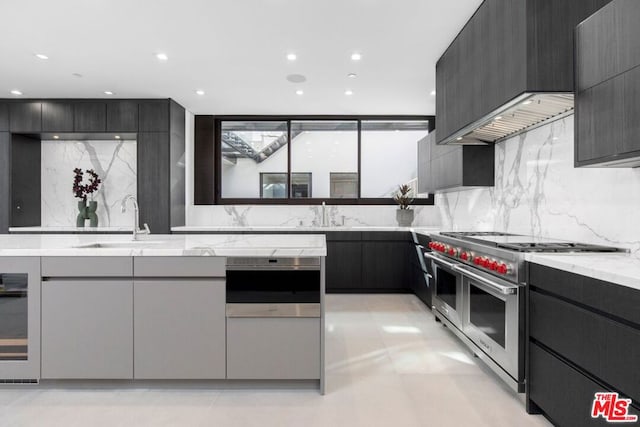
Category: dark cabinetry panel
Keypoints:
(344, 266)
(25, 181)
(462, 166)
(565, 394)
(90, 116)
(583, 337)
(5, 181)
(57, 117)
(607, 87)
(385, 266)
(4, 117)
(153, 180)
(25, 117)
(122, 116)
(154, 116)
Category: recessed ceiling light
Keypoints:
(292, 56)
(162, 56)
(200, 92)
(348, 92)
(78, 75)
(41, 56)
(459, 138)
(296, 78)
(527, 102)
(117, 137)
(108, 92)
(56, 137)
(499, 118)
(299, 92)
(16, 92)
(352, 75)
(356, 57)
(433, 92)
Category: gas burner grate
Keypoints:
(557, 247)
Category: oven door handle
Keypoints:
(440, 260)
(505, 290)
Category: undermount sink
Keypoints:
(122, 244)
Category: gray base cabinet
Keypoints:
(273, 348)
(87, 329)
(179, 329)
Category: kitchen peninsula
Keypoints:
(168, 307)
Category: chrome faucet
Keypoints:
(136, 216)
(325, 222)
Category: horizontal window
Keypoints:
(343, 160)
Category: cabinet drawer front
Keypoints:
(82, 266)
(607, 349)
(333, 236)
(181, 266)
(87, 329)
(179, 329)
(273, 348)
(618, 300)
(562, 392)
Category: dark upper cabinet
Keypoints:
(25, 117)
(154, 116)
(122, 116)
(57, 117)
(90, 116)
(5, 181)
(153, 181)
(4, 117)
(507, 48)
(454, 166)
(608, 87)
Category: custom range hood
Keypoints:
(510, 69)
(522, 114)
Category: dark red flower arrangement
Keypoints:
(80, 190)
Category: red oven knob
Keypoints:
(431, 245)
(503, 268)
(442, 248)
(464, 256)
(477, 260)
(453, 251)
(486, 262)
(493, 265)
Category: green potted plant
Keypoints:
(404, 214)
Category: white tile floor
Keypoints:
(388, 364)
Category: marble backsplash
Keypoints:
(539, 192)
(304, 215)
(115, 163)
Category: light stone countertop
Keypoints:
(286, 228)
(267, 245)
(620, 268)
(70, 230)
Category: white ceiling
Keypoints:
(235, 50)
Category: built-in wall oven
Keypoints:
(447, 289)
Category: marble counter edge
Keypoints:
(593, 266)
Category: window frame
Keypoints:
(289, 200)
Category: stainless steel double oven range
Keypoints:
(479, 292)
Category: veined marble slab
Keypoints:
(262, 245)
(622, 269)
(70, 230)
(285, 228)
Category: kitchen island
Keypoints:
(105, 307)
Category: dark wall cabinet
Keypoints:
(608, 87)
(160, 128)
(507, 48)
(448, 167)
(584, 337)
(57, 117)
(90, 116)
(25, 117)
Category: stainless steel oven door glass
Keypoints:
(491, 314)
(447, 292)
